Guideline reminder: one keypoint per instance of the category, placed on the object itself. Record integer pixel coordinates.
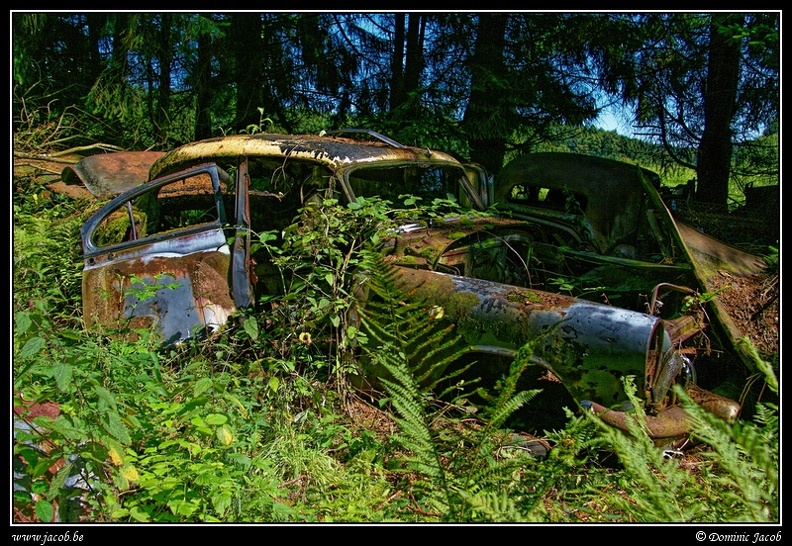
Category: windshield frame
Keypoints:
(345, 173)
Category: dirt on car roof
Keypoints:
(753, 304)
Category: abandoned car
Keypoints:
(171, 252)
(622, 244)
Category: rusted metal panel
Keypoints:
(613, 193)
(711, 256)
(672, 422)
(108, 175)
(161, 288)
(622, 210)
(589, 346)
(333, 152)
(176, 284)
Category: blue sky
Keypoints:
(613, 119)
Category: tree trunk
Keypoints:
(397, 94)
(96, 23)
(118, 57)
(203, 87)
(414, 60)
(715, 150)
(246, 39)
(483, 119)
(165, 54)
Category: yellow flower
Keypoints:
(436, 312)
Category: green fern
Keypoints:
(407, 353)
(506, 399)
(737, 482)
(411, 353)
(427, 346)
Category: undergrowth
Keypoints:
(258, 425)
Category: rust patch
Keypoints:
(110, 287)
(106, 175)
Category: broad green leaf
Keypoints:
(182, 508)
(221, 501)
(201, 386)
(71, 335)
(240, 459)
(105, 395)
(138, 514)
(119, 513)
(235, 400)
(251, 328)
(22, 322)
(114, 450)
(44, 511)
(120, 482)
(58, 480)
(32, 346)
(225, 435)
(216, 419)
(117, 429)
(63, 425)
(63, 375)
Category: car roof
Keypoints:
(333, 151)
(595, 177)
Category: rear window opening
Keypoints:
(548, 198)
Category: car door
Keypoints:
(157, 259)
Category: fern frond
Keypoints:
(428, 346)
(503, 410)
(744, 487)
(411, 354)
(491, 506)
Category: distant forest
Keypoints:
(702, 88)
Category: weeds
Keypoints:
(255, 425)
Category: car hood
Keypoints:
(108, 175)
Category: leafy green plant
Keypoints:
(412, 354)
(737, 480)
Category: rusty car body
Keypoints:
(172, 254)
(622, 244)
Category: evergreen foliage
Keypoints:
(474, 84)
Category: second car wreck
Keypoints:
(172, 254)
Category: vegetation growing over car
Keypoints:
(448, 253)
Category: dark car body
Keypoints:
(172, 255)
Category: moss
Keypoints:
(523, 296)
(428, 253)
